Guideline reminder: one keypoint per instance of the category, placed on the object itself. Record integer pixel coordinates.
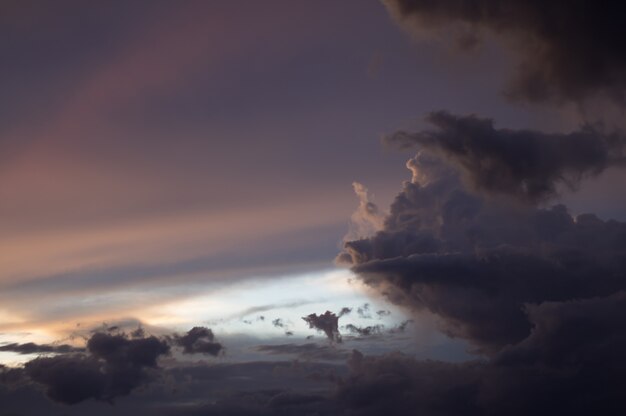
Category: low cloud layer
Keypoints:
(114, 367)
(111, 365)
(568, 50)
(33, 348)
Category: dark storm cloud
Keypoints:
(573, 363)
(327, 322)
(479, 263)
(114, 366)
(198, 340)
(568, 50)
(32, 348)
(524, 163)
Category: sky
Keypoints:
(293, 207)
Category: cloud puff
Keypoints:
(114, 366)
(198, 340)
(526, 164)
(327, 322)
(568, 50)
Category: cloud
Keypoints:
(365, 331)
(526, 164)
(278, 323)
(367, 219)
(114, 366)
(327, 322)
(572, 362)
(364, 311)
(308, 351)
(33, 348)
(479, 264)
(198, 340)
(567, 51)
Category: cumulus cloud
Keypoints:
(367, 219)
(526, 164)
(327, 322)
(568, 51)
(114, 366)
(479, 263)
(198, 340)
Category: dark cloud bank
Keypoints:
(537, 291)
(110, 366)
(568, 49)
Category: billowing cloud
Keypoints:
(198, 340)
(367, 219)
(114, 366)
(524, 163)
(567, 50)
(480, 263)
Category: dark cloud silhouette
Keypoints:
(364, 311)
(278, 323)
(479, 263)
(114, 366)
(327, 322)
(198, 340)
(32, 348)
(344, 311)
(572, 362)
(365, 331)
(526, 164)
(568, 50)
(383, 312)
(401, 327)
